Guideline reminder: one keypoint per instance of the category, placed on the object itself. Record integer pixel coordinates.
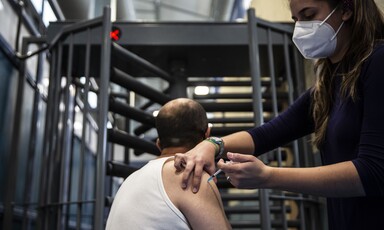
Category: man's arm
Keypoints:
(204, 209)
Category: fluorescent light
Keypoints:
(202, 90)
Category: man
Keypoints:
(151, 198)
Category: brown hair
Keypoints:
(181, 123)
(367, 25)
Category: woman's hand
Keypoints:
(201, 157)
(245, 171)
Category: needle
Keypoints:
(214, 175)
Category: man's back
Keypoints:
(151, 198)
(142, 202)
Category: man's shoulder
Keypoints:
(170, 172)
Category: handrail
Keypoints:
(141, 61)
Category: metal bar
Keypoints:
(128, 128)
(132, 84)
(69, 138)
(251, 224)
(227, 120)
(131, 112)
(118, 169)
(250, 209)
(257, 104)
(150, 103)
(49, 138)
(102, 120)
(265, 95)
(126, 54)
(29, 173)
(235, 106)
(46, 140)
(57, 10)
(83, 131)
(54, 148)
(244, 83)
(275, 113)
(291, 100)
(70, 160)
(224, 131)
(273, 84)
(142, 129)
(73, 28)
(219, 83)
(223, 96)
(70, 202)
(63, 150)
(125, 139)
(12, 169)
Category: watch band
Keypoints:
(219, 145)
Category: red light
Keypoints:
(115, 34)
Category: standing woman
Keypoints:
(344, 110)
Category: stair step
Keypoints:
(223, 131)
(256, 224)
(234, 106)
(253, 209)
(266, 95)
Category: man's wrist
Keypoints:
(219, 145)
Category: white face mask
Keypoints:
(315, 39)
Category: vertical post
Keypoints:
(103, 102)
(257, 105)
(36, 113)
(83, 132)
(14, 157)
(275, 113)
(66, 138)
(47, 141)
(51, 183)
(291, 99)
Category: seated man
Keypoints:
(151, 198)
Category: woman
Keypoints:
(344, 110)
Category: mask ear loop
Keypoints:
(329, 15)
(334, 36)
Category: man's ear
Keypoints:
(208, 132)
(158, 144)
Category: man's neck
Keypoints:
(171, 151)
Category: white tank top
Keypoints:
(142, 203)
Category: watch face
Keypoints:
(218, 140)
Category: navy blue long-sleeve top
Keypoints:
(355, 132)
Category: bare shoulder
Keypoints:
(203, 208)
(172, 184)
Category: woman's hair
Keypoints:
(367, 27)
(181, 123)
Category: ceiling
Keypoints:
(153, 10)
(176, 10)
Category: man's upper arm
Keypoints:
(204, 209)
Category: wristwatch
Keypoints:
(219, 144)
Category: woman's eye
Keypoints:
(308, 17)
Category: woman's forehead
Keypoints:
(298, 6)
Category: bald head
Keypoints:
(181, 123)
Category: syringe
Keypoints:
(214, 175)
